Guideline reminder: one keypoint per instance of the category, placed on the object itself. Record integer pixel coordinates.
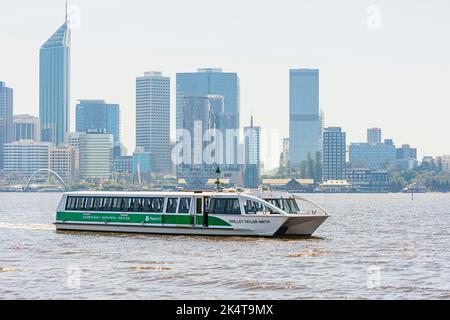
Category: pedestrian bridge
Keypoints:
(57, 176)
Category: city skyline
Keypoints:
(386, 115)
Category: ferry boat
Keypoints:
(226, 213)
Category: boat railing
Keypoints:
(320, 208)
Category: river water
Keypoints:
(376, 246)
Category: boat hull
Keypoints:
(239, 226)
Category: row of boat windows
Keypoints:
(175, 205)
(152, 205)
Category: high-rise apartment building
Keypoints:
(334, 146)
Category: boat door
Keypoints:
(201, 211)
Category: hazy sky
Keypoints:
(382, 63)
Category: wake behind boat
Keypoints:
(226, 213)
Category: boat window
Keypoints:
(233, 206)
(71, 203)
(251, 207)
(153, 204)
(107, 204)
(139, 204)
(81, 205)
(115, 204)
(185, 205)
(224, 206)
(93, 206)
(88, 205)
(172, 205)
(290, 206)
(217, 206)
(129, 204)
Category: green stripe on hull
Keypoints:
(151, 219)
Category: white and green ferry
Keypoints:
(226, 213)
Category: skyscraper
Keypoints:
(153, 118)
(304, 128)
(97, 114)
(198, 118)
(252, 144)
(334, 145)
(6, 119)
(374, 135)
(54, 85)
(252, 155)
(209, 82)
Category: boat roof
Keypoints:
(224, 193)
(148, 193)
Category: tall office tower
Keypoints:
(374, 135)
(6, 118)
(209, 82)
(153, 118)
(252, 144)
(26, 127)
(26, 157)
(62, 161)
(54, 86)
(96, 155)
(97, 114)
(304, 121)
(334, 146)
(252, 155)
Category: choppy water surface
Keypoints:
(378, 246)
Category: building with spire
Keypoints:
(54, 85)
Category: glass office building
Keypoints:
(54, 86)
(304, 128)
(209, 82)
(373, 156)
(97, 114)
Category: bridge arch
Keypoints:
(49, 171)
